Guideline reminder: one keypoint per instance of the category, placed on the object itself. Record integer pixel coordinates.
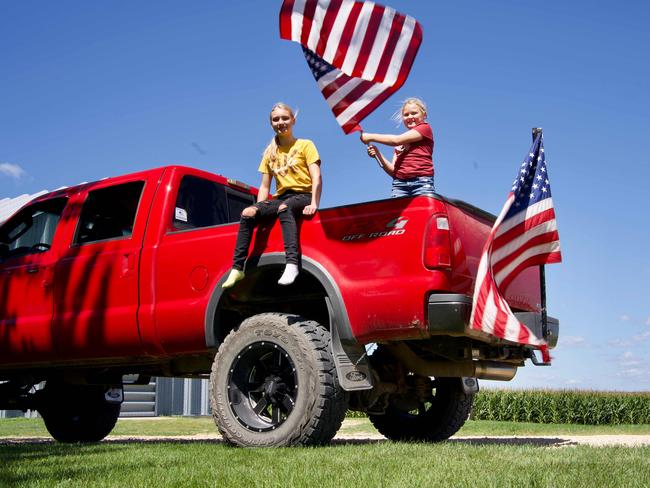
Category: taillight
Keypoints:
(437, 243)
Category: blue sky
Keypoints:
(95, 89)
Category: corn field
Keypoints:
(558, 407)
(562, 407)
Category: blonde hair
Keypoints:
(397, 116)
(271, 150)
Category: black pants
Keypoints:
(268, 209)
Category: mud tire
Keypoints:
(274, 384)
(443, 417)
(75, 413)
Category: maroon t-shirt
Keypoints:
(416, 159)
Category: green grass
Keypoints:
(491, 462)
(493, 427)
(161, 426)
(370, 464)
(173, 426)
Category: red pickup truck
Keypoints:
(123, 276)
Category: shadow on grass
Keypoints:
(474, 441)
(41, 454)
(175, 440)
(515, 441)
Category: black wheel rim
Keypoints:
(262, 386)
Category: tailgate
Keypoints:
(469, 228)
(449, 313)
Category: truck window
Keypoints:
(32, 229)
(109, 213)
(237, 201)
(204, 203)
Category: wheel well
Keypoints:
(259, 292)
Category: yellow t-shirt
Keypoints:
(290, 166)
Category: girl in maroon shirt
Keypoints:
(412, 164)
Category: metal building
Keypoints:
(167, 396)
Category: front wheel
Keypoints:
(433, 420)
(274, 383)
(76, 413)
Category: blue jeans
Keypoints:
(411, 187)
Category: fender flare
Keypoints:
(338, 316)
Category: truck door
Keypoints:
(96, 279)
(194, 251)
(27, 259)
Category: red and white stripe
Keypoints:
(362, 39)
(352, 99)
(371, 47)
(526, 239)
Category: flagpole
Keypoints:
(381, 165)
(542, 271)
(377, 156)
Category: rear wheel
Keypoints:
(273, 383)
(432, 419)
(77, 413)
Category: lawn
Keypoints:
(358, 464)
(188, 463)
(169, 426)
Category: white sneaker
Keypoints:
(289, 275)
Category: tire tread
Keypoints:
(327, 408)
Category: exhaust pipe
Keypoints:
(487, 370)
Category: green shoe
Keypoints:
(234, 276)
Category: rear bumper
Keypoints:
(449, 313)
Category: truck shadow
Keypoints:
(515, 441)
(41, 442)
(475, 441)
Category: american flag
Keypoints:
(360, 53)
(525, 234)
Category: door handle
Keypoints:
(128, 263)
(32, 270)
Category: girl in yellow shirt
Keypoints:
(295, 166)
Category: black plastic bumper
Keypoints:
(449, 315)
